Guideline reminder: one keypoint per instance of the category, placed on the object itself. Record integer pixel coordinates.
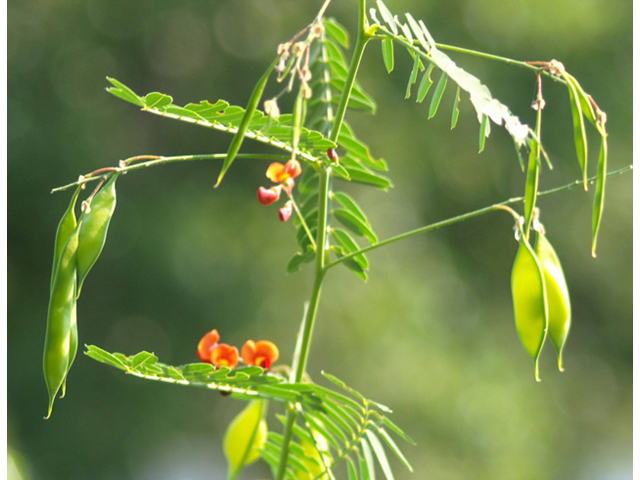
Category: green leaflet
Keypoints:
(336, 32)
(484, 132)
(387, 54)
(238, 138)
(354, 224)
(417, 67)
(579, 132)
(380, 454)
(425, 84)
(480, 96)
(456, 110)
(223, 117)
(437, 95)
(598, 200)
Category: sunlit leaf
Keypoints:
(354, 224)
(456, 110)
(425, 84)
(598, 201)
(387, 53)
(380, 454)
(336, 32)
(437, 95)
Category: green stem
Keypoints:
(309, 319)
(466, 216)
(321, 240)
(383, 33)
(361, 43)
(158, 160)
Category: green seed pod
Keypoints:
(558, 302)
(93, 231)
(245, 435)
(529, 301)
(66, 227)
(61, 315)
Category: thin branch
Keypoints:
(467, 216)
(157, 160)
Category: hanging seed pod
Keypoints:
(558, 303)
(93, 231)
(60, 318)
(245, 435)
(529, 301)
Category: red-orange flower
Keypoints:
(262, 353)
(285, 212)
(207, 344)
(279, 173)
(267, 197)
(224, 356)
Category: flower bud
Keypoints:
(267, 197)
(285, 212)
(271, 108)
(333, 156)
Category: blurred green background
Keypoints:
(430, 334)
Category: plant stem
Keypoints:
(309, 319)
(158, 160)
(321, 237)
(467, 216)
(384, 33)
(361, 43)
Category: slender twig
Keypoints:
(467, 216)
(384, 33)
(157, 160)
(302, 221)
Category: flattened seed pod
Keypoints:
(558, 303)
(529, 301)
(93, 231)
(245, 435)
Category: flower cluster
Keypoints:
(262, 353)
(283, 175)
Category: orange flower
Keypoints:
(207, 344)
(262, 353)
(224, 356)
(279, 173)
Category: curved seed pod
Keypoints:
(529, 301)
(245, 435)
(94, 227)
(558, 303)
(66, 227)
(61, 315)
